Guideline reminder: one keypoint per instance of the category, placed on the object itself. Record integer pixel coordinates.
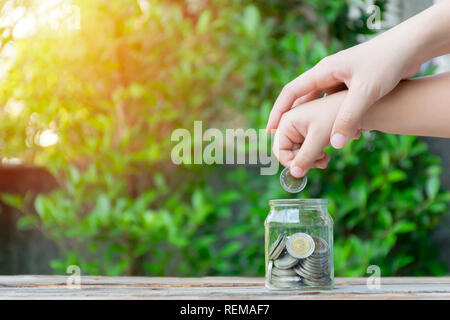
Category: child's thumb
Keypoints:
(309, 152)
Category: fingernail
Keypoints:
(338, 141)
(296, 172)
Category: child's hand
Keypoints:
(304, 132)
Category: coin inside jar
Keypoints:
(277, 247)
(285, 262)
(321, 246)
(290, 183)
(283, 272)
(300, 245)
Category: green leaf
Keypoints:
(434, 170)
(237, 230)
(385, 218)
(251, 19)
(230, 249)
(396, 176)
(27, 222)
(203, 22)
(432, 186)
(74, 174)
(12, 200)
(402, 261)
(404, 227)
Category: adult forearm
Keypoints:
(415, 107)
(427, 33)
(435, 26)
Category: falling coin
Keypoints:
(300, 245)
(290, 183)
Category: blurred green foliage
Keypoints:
(114, 91)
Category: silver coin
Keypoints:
(316, 263)
(315, 266)
(269, 269)
(300, 245)
(275, 244)
(278, 252)
(321, 246)
(318, 256)
(283, 272)
(285, 284)
(290, 183)
(316, 260)
(301, 272)
(294, 278)
(289, 280)
(314, 271)
(320, 279)
(317, 283)
(307, 274)
(277, 247)
(285, 262)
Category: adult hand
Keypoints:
(369, 71)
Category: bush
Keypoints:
(114, 98)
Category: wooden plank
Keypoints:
(54, 287)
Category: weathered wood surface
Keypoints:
(55, 287)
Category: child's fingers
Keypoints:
(357, 135)
(322, 163)
(309, 152)
(286, 144)
(322, 156)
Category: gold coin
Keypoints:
(300, 245)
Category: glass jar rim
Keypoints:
(284, 202)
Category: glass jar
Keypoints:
(299, 245)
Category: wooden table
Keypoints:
(55, 287)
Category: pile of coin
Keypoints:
(299, 259)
